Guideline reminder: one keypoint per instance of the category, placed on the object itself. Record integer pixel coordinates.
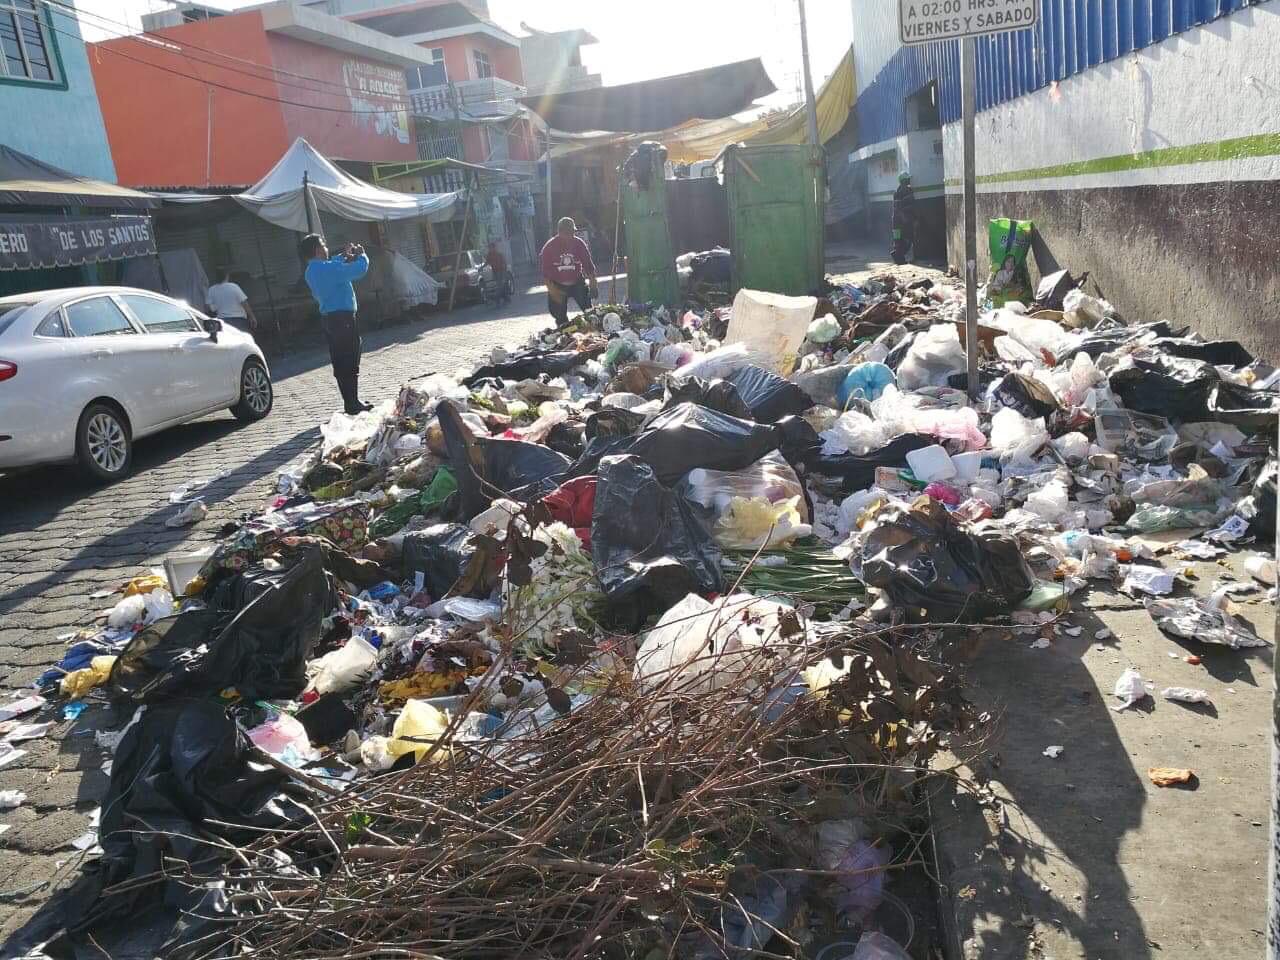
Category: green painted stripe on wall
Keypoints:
(1258, 145)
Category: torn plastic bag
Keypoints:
(611, 422)
(452, 559)
(684, 438)
(923, 560)
(182, 771)
(935, 355)
(650, 544)
(1262, 505)
(718, 395)
(486, 468)
(1251, 410)
(256, 636)
(767, 396)
(1166, 386)
(1138, 436)
(1054, 287)
(1027, 395)
(1097, 342)
(1207, 620)
(859, 472)
(530, 365)
(1220, 353)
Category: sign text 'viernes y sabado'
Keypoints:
(923, 21)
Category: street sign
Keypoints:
(924, 21)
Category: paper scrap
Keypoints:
(1054, 752)
(1151, 580)
(19, 707)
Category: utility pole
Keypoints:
(811, 104)
(968, 94)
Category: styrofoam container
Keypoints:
(931, 463)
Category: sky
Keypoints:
(638, 40)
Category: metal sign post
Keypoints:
(926, 21)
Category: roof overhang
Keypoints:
(465, 30)
(338, 34)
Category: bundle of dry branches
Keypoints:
(643, 819)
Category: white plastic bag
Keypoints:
(1016, 438)
(1081, 310)
(1049, 502)
(342, 669)
(823, 330)
(934, 356)
(854, 433)
(1072, 446)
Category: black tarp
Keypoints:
(26, 181)
(73, 241)
(654, 105)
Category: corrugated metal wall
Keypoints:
(1072, 36)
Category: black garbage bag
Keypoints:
(899, 353)
(712, 266)
(684, 438)
(924, 560)
(567, 438)
(182, 771)
(1027, 395)
(452, 559)
(713, 394)
(611, 422)
(487, 467)
(1250, 410)
(1262, 506)
(1054, 287)
(768, 396)
(858, 471)
(1169, 387)
(651, 544)
(257, 635)
(798, 442)
(1220, 353)
(526, 366)
(1097, 342)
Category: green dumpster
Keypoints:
(776, 210)
(651, 261)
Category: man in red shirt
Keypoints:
(567, 268)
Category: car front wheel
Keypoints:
(104, 445)
(256, 394)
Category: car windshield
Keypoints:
(11, 311)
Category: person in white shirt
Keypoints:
(228, 303)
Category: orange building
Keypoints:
(218, 100)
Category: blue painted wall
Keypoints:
(1072, 36)
(60, 124)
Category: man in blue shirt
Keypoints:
(330, 280)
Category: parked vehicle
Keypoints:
(476, 278)
(86, 371)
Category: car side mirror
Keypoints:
(214, 326)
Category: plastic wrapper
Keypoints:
(923, 560)
(768, 396)
(934, 356)
(1156, 518)
(698, 645)
(651, 544)
(1166, 386)
(754, 523)
(718, 363)
(450, 559)
(853, 432)
(343, 669)
(1016, 438)
(256, 636)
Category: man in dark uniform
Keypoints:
(904, 220)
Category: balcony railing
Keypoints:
(437, 103)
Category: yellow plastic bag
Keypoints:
(141, 585)
(79, 682)
(418, 719)
(752, 523)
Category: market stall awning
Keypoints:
(73, 242)
(305, 176)
(657, 104)
(26, 181)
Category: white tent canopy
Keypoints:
(279, 197)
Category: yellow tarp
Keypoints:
(704, 139)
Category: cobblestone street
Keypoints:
(62, 540)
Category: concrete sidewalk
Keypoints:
(1082, 856)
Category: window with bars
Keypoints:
(26, 43)
(484, 69)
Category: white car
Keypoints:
(86, 371)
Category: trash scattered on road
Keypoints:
(1185, 695)
(1130, 688)
(1054, 752)
(191, 513)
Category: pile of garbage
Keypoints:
(639, 636)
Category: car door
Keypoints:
(117, 359)
(196, 369)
